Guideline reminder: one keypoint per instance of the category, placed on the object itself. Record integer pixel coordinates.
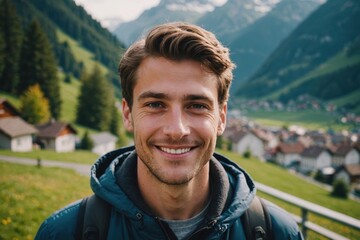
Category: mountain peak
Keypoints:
(262, 6)
(199, 6)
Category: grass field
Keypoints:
(310, 119)
(30, 194)
(78, 156)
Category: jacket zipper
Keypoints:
(208, 227)
(165, 229)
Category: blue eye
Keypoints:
(198, 106)
(155, 105)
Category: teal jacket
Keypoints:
(113, 178)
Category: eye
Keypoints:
(155, 105)
(198, 106)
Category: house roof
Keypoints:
(53, 129)
(342, 150)
(237, 136)
(15, 126)
(313, 151)
(352, 169)
(103, 137)
(290, 147)
(7, 109)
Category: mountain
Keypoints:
(223, 17)
(76, 23)
(321, 57)
(228, 20)
(252, 45)
(166, 11)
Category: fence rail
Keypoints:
(307, 207)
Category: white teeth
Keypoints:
(175, 151)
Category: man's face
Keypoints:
(175, 118)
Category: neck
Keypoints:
(174, 202)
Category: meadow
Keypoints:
(310, 119)
(30, 194)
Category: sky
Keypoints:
(105, 11)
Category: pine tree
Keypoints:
(114, 125)
(34, 106)
(10, 45)
(86, 142)
(2, 56)
(95, 101)
(38, 66)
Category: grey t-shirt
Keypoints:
(182, 228)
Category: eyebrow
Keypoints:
(188, 97)
(151, 94)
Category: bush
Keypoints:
(86, 142)
(340, 189)
(247, 154)
(319, 176)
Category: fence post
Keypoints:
(39, 162)
(304, 215)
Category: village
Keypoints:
(20, 136)
(324, 156)
(319, 154)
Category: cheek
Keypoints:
(208, 128)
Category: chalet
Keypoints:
(103, 142)
(314, 158)
(349, 173)
(16, 134)
(288, 154)
(345, 154)
(57, 136)
(247, 141)
(7, 109)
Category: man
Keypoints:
(172, 185)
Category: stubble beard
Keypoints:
(147, 158)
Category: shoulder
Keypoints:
(283, 223)
(61, 224)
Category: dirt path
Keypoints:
(83, 169)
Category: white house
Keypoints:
(353, 157)
(243, 141)
(16, 134)
(314, 158)
(345, 154)
(57, 136)
(288, 153)
(349, 173)
(103, 142)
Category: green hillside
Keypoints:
(73, 20)
(248, 48)
(314, 81)
(319, 58)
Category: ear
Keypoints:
(222, 119)
(127, 117)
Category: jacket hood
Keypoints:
(234, 189)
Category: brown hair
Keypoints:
(178, 41)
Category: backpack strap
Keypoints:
(256, 221)
(93, 219)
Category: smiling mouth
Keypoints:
(175, 151)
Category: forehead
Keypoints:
(161, 74)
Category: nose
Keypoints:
(176, 126)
